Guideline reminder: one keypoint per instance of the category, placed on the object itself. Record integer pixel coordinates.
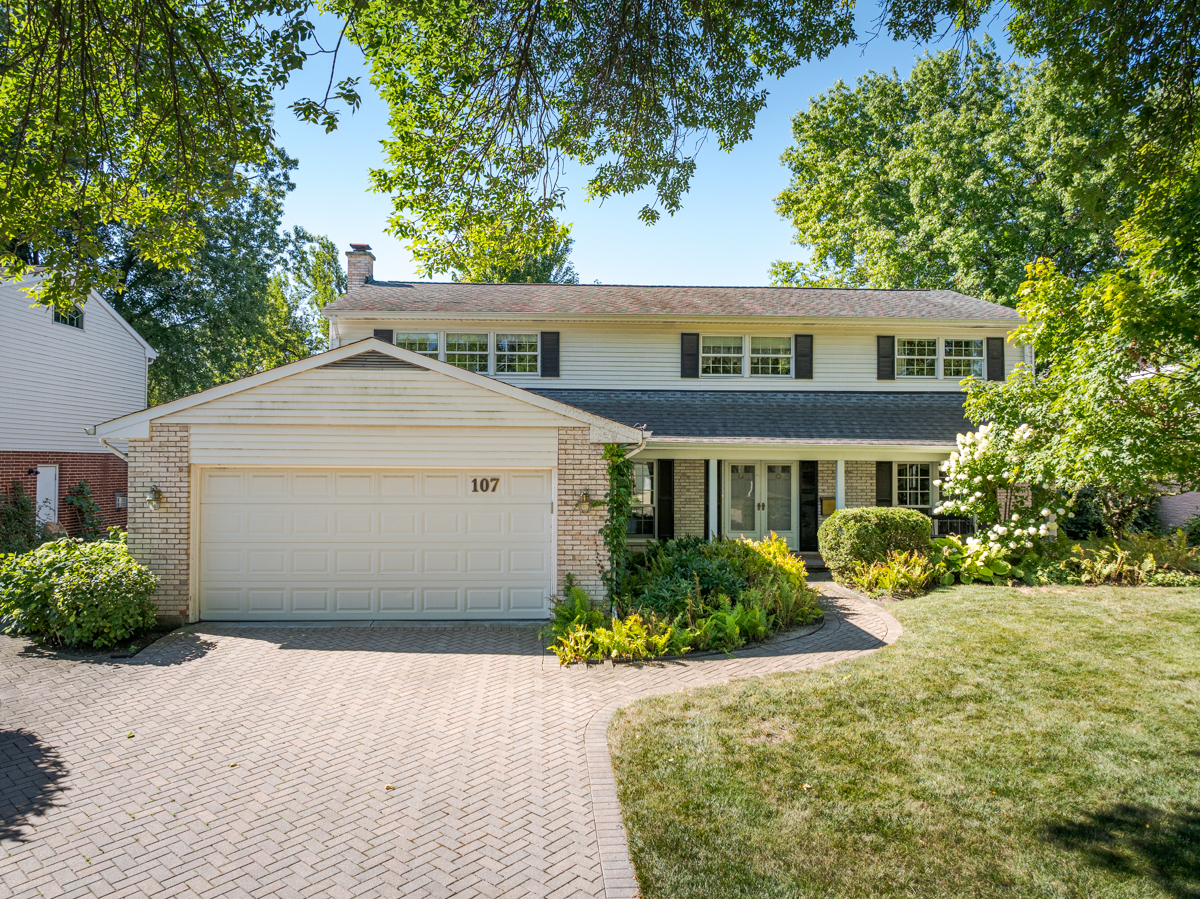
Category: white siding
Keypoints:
(645, 356)
(56, 380)
(350, 445)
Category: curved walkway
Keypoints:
(351, 761)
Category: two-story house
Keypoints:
(59, 375)
(445, 458)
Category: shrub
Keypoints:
(73, 593)
(901, 574)
(970, 560)
(20, 530)
(852, 536)
(1191, 529)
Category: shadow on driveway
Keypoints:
(30, 771)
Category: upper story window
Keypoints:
(721, 356)
(913, 485)
(73, 319)
(916, 358)
(770, 355)
(516, 354)
(641, 511)
(425, 344)
(963, 359)
(469, 351)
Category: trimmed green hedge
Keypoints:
(73, 593)
(850, 536)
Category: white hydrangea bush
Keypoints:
(990, 478)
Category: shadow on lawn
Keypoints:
(30, 771)
(1139, 840)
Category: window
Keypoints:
(916, 358)
(641, 512)
(770, 355)
(721, 356)
(912, 485)
(963, 359)
(469, 351)
(425, 344)
(73, 319)
(516, 354)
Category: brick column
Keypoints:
(689, 497)
(161, 539)
(581, 467)
(860, 484)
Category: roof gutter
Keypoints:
(91, 432)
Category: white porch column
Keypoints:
(712, 499)
(839, 489)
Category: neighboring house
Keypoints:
(60, 374)
(442, 460)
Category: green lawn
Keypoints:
(1014, 742)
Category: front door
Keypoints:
(761, 499)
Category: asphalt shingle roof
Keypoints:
(807, 415)
(618, 299)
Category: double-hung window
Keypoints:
(963, 359)
(72, 319)
(516, 354)
(913, 485)
(770, 355)
(916, 358)
(425, 344)
(469, 351)
(641, 512)
(721, 356)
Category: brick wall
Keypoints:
(105, 473)
(160, 539)
(826, 485)
(860, 484)
(689, 497)
(581, 467)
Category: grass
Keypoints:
(1040, 742)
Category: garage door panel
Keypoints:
(361, 544)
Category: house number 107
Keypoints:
(485, 485)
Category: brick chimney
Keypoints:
(360, 266)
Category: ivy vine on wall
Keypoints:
(619, 500)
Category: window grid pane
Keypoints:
(912, 485)
(963, 359)
(425, 344)
(469, 351)
(641, 513)
(73, 319)
(770, 355)
(721, 356)
(516, 354)
(916, 358)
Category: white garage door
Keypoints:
(307, 543)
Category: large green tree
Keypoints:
(954, 177)
(246, 303)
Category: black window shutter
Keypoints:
(804, 356)
(384, 334)
(689, 355)
(883, 483)
(995, 358)
(549, 347)
(666, 499)
(886, 358)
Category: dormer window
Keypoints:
(72, 319)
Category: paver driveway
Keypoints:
(254, 761)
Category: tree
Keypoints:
(553, 266)
(955, 177)
(309, 280)
(227, 316)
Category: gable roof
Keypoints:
(93, 297)
(373, 353)
(439, 298)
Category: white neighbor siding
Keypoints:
(58, 380)
(645, 355)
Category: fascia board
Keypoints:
(650, 318)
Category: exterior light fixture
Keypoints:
(154, 498)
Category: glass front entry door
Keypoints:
(760, 497)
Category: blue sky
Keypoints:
(727, 233)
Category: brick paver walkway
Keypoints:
(238, 761)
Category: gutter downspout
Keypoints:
(641, 446)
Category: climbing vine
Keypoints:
(619, 500)
(86, 509)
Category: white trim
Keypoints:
(714, 526)
(839, 484)
(651, 317)
(136, 425)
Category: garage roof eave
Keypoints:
(136, 425)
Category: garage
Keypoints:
(387, 543)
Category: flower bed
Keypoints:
(688, 594)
